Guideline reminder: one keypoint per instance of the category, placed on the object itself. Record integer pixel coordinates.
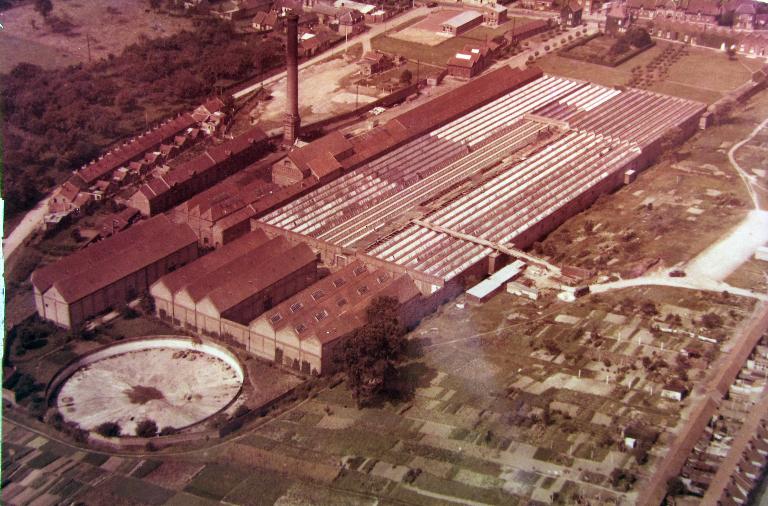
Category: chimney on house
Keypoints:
(292, 121)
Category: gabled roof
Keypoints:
(110, 260)
(203, 266)
(267, 269)
(121, 155)
(68, 191)
(333, 144)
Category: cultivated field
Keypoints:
(108, 26)
(672, 212)
(702, 74)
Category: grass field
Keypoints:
(702, 75)
(438, 55)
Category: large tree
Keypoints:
(370, 355)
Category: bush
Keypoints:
(128, 312)
(169, 431)
(712, 321)
(108, 429)
(146, 428)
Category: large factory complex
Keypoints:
(451, 190)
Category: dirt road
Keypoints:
(31, 221)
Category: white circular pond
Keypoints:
(173, 381)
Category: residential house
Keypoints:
(570, 14)
(744, 16)
(617, 20)
(351, 23)
(374, 62)
(266, 21)
(495, 15)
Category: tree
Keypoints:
(406, 76)
(155, 4)
(638, 37)
(712, 320)
(675, 486)
(109, 429)
(621, 46)
(369, 356)
(43, 7)
(146, 428)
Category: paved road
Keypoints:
(365, 39)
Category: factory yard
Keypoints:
(328, 96)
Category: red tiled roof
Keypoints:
(453, 104)
(123, 154)
(204, 265)
(342, 305)
(267, 269)
(234, 269)
(68, 191)
(108, 261)
(333, 144)
(202, 163)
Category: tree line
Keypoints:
(59, 119)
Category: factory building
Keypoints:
(457, 198)
(306, 331)
(236, 283)
(111, 272)
(462, 23)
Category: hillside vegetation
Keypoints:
(57, 120)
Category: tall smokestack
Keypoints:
(292, 121)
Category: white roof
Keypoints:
(463, 18)
(462, 56)
(307, 36)
(497, 279)
(360, 7)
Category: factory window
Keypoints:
(318, 295)
(338, 282)
(362, 290)
(359, 270)
(341, 302)
(296, 307)
(382, 278)
(300, 328)
(276, 318)
(322, 315)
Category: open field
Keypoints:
(694, 76)
(108, 26)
